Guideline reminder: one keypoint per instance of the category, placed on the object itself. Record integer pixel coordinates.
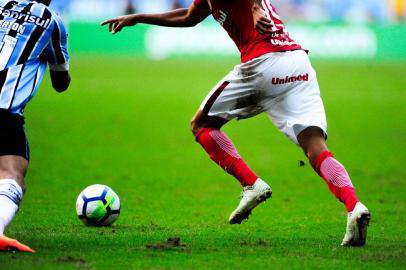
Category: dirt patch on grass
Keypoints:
(172, 243)
(260, 242)
(73, 260)
(151, 227)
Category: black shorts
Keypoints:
(13, 140)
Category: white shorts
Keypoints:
(282, 84)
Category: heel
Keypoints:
(266, 195)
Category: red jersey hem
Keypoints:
(248, 57)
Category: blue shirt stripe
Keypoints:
(31, 36)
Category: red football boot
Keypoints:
(8, 244)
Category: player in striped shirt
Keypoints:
(275, 77)
(31, 37)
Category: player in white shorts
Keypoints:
(275, 77)
(288, 93)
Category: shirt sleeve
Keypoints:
(201, 3)
(56, 52)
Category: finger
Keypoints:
(263, 30)
(114, 27)
(108, 21)
(265, 19)
(265, 23)
(117, 28)
(259, 29)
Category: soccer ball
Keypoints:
(98, 205)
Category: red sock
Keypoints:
(337, 179)
(222, 151)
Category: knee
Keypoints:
(202, 120)
(194, 126)
(313, 143)
(313, 152)
(314, 149)
(198, 121)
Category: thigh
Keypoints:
(235, 96)
(13, 140)
(299, 105)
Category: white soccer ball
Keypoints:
(98, 205)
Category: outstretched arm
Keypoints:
(183, 17)
(262, 24)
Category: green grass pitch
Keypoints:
(125, 123)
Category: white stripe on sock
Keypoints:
(335, 172)
(224, 142)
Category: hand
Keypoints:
(262, 24)
(60, 80)
(118, 23)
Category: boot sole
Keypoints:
(362, 226)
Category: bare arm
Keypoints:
(183, 17)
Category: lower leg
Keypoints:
(337, 179)
(332, 171)
(10, 197)
(222, 151)
(12, 171)
(220, 148)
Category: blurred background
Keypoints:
(125, 123)
(354, 11)
(329, 28)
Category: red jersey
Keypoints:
(236, 18)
